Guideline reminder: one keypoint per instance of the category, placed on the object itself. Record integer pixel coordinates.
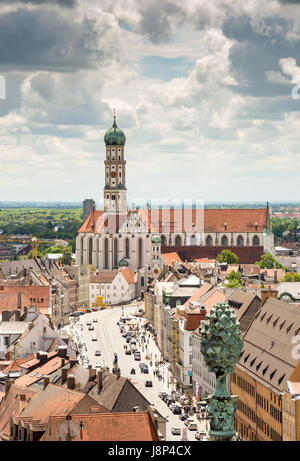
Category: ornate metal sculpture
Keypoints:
(221, 346)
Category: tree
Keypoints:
(268, 261)
(290, 277)
(67, 255)
(234, 280)
(227, 256)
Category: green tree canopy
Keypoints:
(268, 261)
(234, 280)
(67, 254)
(227, 256)
(290, 277)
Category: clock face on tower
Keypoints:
(113, 174)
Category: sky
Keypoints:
(205, 92)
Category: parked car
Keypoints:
(148, 383)
(192, 427)
(188, 421)
(97, 353)
(162, 394)
(98, 365)
(137, 357)
(183, 416)
(128, 352)
(176, 431)
(200, 435)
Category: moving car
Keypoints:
(176, 409)
(148, 383)
(97, 353)
(95, 320)
(162, 394)
(176, 431)
(128, 352)
(94, 338)
(183, 416)
(91, 327)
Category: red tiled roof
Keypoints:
(10, 406)
(46, 369)
(199, 293)
(128, 275)
(188, 220)
(103, 276)
(135, 426)
(169, 257)
(53, 400)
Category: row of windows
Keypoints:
(209, 241)
(246, 410)
(243, 384)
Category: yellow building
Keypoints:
(268, 363)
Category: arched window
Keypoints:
(240, 241)
(178, 241)
(126, 248)
(224, 241)
(163, 241)
(105, 254)
(193, 240)
(255, 240)
(90, 257)
(209, 241)
(140, 253)
(115, 254)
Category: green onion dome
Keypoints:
(114, 136)
(123, 263)
(156, 239)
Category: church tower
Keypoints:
(115, 192)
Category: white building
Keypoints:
(115, 286)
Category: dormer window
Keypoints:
(225, 226)
(256, 225)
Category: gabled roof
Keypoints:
(189, 220)
(268, 344)
(128, 276)
(133, 426)
(171, 257)
(199, 293)
(10, 406)
(103, 276)
(39, 372)
(54, 400)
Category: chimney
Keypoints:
(64, 375)
(268, 293)
(19, 300)
(22, 401)
(275, 277)
(43, 357)
(6, 316)
(99, 381)
(62, 351)
(37, 355)
(8, 383)
(17, 316)
(46, 382)
(92, 373)
(71, 382)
